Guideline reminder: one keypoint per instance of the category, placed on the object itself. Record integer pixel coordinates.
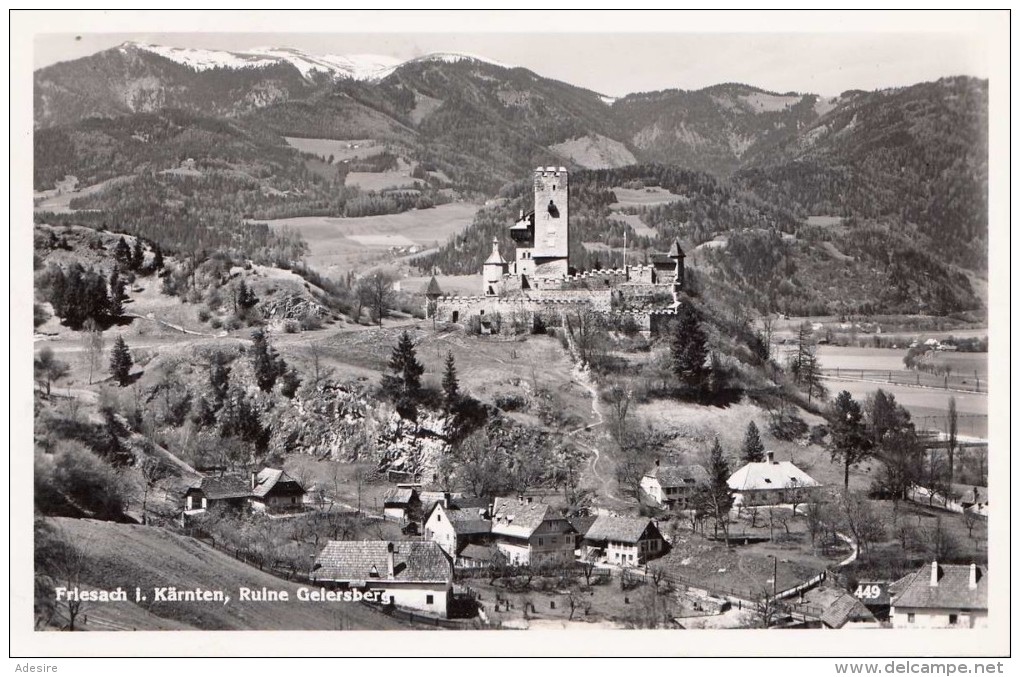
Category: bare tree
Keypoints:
(860, 520)
(939, 542)
(154, 471)
(375, 291)
(69, 567)
(970, 520)
(92, 346)
(951, 434)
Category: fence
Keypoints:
(291, 573)
(917, 379)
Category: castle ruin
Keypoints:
(541, 282)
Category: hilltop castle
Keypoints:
(540, 280)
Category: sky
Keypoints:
(620, 63)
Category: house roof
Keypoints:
(582, 523)
(432, 289)
(661, 259)
(616, 528)
(512, 517)
(525, 222)
(269, 478)
(398, 496)
(675, 251)
(769, 475)
(484, 553)
(495, 258)
(840, 607)
(414, 561)
(953, 590)
(467, 521)
(224, 487)
(465, 502)
(678, 475)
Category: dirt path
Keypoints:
(582, 375)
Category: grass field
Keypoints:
(341, 244)
(380, 181)
(824, 221)
(634, 221)
(645, 197)
(132, 556)
(340, 149)
(59, 202)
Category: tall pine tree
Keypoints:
(451, 387)
(403, 383)
(752, 451)
(688, 349)
(266, 362)
(120, 362)
(137, 255)
(720, 496)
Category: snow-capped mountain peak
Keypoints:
(354, 66)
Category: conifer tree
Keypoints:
(849, 439)
(451, 387)
(752, 451)
(403, 383)
(137, 255)
(157, 257)
(720, 496)
(117, 295)
(266, 362)
(122, 252)
(120, 362)
(688, 350)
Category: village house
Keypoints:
(269, 490)
(626, 541)
(673, 485)
(838, 608)
(274, 491)
(231, 491)
(771, 482)
(453, 529)
(409, 574)
(941, 596)
(401, 504)
(531, 534)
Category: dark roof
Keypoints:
(678, 475)
(465, 502)
(840, 607)
(513, 517)
(467, 521)
(433, 288)
(270, 479)
(675, 251)
(227, 486)
(414, 561)
(659, 259)
(952, 591)
(398, 496)
(582, 523)
(616, 528)
(484, 553)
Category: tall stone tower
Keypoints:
(543, 236)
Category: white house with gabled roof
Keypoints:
(772, 482)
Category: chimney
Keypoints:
(973, 576)
(520, 499)
(529, 499)
(521, 216)
(254, 477)
(934, 574)
(389, 560)
(656, 463)
(770, 457)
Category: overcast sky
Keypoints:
(621, 63)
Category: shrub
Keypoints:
(204, 315)
(511, 401)
(311, 321)
(788, 427)
(216, 323)
(291, 327)
(89, 481)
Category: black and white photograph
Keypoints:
(340, 324)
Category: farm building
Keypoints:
(409, 574)
(673, 485)
(627, 541)
(529, 533)
(401, 504)
(274, 491)
(453, 528)
(941, 596)
(224, 491)
(772, 482)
